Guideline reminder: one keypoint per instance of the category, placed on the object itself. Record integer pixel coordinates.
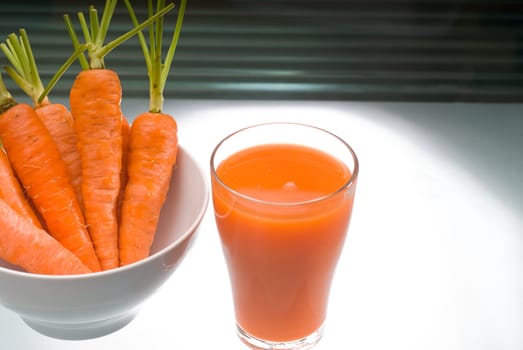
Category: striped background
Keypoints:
(395, 50)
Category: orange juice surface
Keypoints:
(281, 242)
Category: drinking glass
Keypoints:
(282, 195)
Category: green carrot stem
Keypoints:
(9, 50)
(174, 43)
(15, 47)
(95, 47)
(78, 52)
(34, 76)
(113, 44)
(84, 27)
(107, 15)
(6, 100)
(76, 43)
(23, 69)
(20, 81)
(93, 21)
(141, 39)
(157, 71)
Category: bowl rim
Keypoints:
(99, 274)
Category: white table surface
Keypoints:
(434, 254)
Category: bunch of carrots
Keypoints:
(81, 188)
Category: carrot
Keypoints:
(95, 100)
(126, 134)
(59, 121)
(152, 155)
(152, 150)
(56, 117)
(43, 174)
(11, 191)
(95, 104)
(31, 248)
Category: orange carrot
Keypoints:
(95, 104)
(59, 121)
(43, 174)
(56, 117)
(31, 248)
(152, 155)
(126, 134)
(152, 152)
(11, 191)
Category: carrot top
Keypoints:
(156, 69)
(96, 31)
(6, 100)
(23, 69)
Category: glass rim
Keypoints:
(345, 186)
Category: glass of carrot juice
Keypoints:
(282, 196)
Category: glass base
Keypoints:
(305, 343)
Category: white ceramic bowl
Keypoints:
(93, 305)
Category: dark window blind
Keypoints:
(395, 50)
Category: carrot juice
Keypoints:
(282, 211)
